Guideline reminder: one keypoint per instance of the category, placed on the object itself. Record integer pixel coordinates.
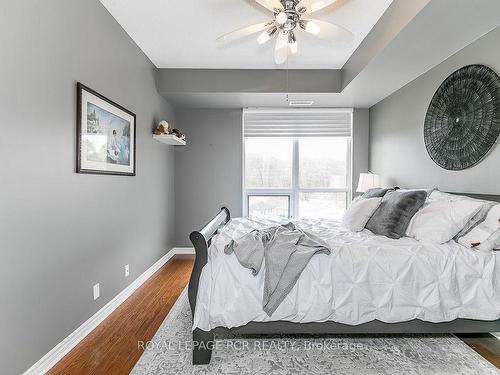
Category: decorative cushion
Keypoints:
(486, 235)
(395, 212)
(443, 217)
(476, 219)
(376, 193)
(359, 212)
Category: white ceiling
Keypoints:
(182, 33)
(436, 33)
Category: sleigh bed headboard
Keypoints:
(485, 197)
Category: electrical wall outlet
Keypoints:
(127, 270)
(96, 291)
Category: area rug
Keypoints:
(169, 352)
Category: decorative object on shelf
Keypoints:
(178, 134)
(368, 181)
(165, 134)
(163, 128)
(105, 135)
(289, 18)
(463, 120)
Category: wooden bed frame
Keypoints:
(203, 341)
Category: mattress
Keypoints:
(365, 278)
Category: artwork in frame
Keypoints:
(106, 135)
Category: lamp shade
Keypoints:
(368, 181)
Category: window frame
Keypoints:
(248, 195)
(295, 190)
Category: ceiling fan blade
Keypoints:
(315, 5)
(270, 4)
(328, 31)
(281, 49)
(245, 31)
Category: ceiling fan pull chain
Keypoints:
(287, 78)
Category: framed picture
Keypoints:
(105, 135)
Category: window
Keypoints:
(297, 163)
(268, 163)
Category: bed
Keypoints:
(368, 285)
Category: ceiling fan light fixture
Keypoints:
(281, 48)
(310, 27)
(266, 35)
(286, 18)
(281, 18)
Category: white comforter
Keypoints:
(366, 278)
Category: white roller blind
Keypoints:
(297, 123)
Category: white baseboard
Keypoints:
(61, 349)
(184, 250)
(496, 334)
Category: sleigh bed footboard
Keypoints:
(202, 340)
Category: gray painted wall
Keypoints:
(360, 144)
(208, 169)
(397, 149)
(174, 81)
(62, 232)
(395, 18)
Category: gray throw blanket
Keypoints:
(287, 251)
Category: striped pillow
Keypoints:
(486, 235)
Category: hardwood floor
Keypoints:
(112, 348)
(485, 344)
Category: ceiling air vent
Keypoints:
(300, 103)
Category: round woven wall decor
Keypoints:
(463, 120)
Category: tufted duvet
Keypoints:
(365, 278)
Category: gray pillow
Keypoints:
(375, 193)
(395, 212)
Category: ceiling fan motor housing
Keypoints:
(293, 15)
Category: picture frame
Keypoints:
(106, 135)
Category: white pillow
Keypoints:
(442, 217)
(486, 235)
(359, 212)
(437, 195)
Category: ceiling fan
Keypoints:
(290, 16)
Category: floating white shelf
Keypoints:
(170, 139)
